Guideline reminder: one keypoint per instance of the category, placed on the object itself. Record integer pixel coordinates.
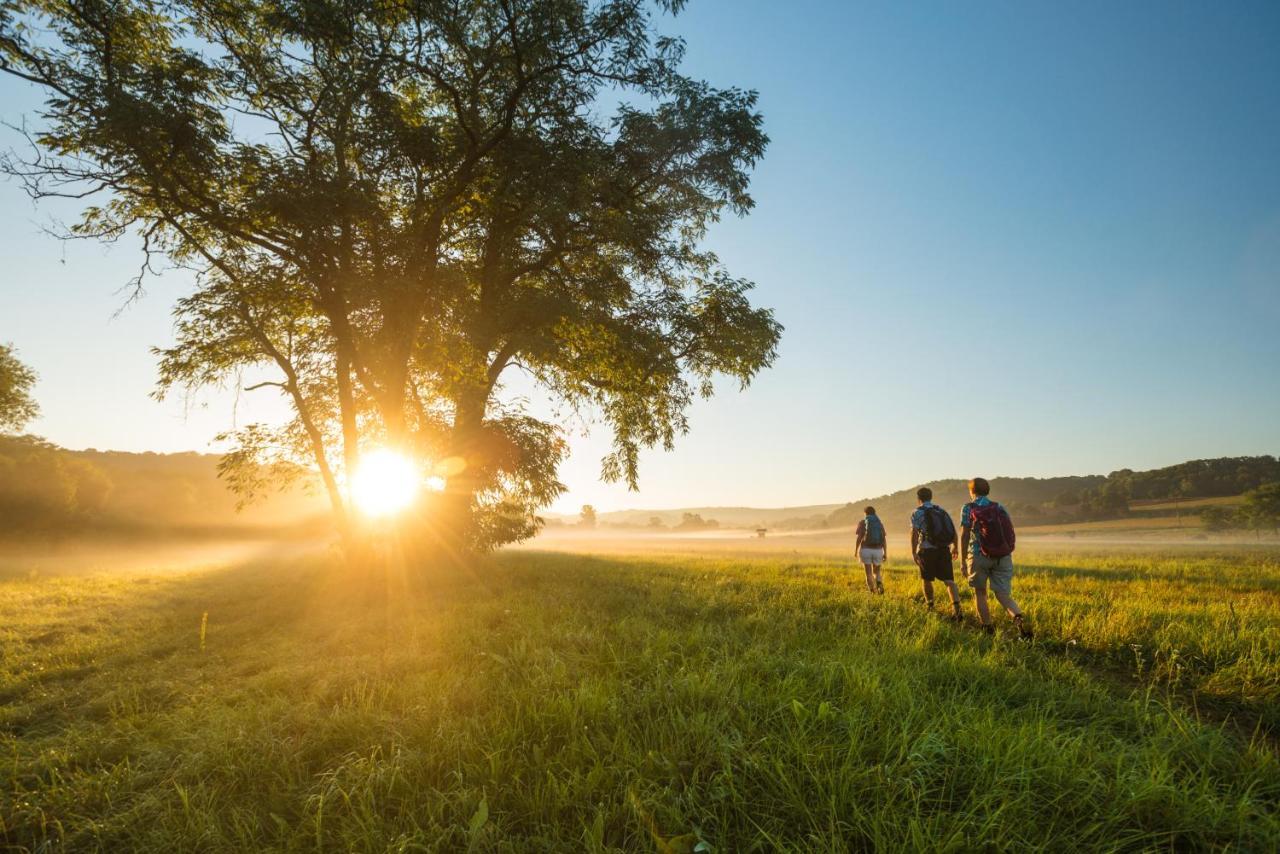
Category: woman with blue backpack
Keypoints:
(870, 548)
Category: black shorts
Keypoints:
(935, 565)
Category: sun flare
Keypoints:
(385, 483)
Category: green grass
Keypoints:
(554, 702)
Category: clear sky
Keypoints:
(1004, 238)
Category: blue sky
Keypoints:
(1015, 238)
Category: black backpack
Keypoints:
(939, 530)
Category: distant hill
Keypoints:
(1014, 492)
(1035, 500)
(729, 516)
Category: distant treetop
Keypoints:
(17, 407)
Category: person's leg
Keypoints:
(955, 595)
(979, 570)
(1001, 575)
(1002, 586)
(879, 579)
(928, 592)
(871, 579)
(1006, 601)
(980, 602)
(935, 565)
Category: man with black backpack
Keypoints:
(870, 548)
(933, 546)
(988, 541)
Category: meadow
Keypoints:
(725, 696)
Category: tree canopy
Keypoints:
(1261, 507)
(17, 406)
(394, 205)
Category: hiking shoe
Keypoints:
(988, 629)
(956, 615)
(1024, 630)
(880, 587)
(928, 604)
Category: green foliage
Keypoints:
(17, 407)
(389, 206)
(50, 491)
(1217, 518)
(695, 522)
(605, 704)
(1109, 501)
(1202, 478)
(1261, 508)
(38, 487)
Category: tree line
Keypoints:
(1085, 499)
(1260, 511)
(48, 491)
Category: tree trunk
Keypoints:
(456, 518)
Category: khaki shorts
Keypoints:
(996, 570)
(875, 557)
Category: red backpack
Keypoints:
(994, 527)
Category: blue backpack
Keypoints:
(874, 538)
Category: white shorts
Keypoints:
(872, 556)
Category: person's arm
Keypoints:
(915, 545)
(964, 547)
(862, 532)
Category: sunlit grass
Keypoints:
(552, 702)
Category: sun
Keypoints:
(385, 483)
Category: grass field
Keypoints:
(711, 699)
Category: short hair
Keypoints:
(924, 493)
(869, 510)
(979, 486)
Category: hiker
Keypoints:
(933, 547)
(986, 549)
(870, 548)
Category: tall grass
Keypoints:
(553, 702)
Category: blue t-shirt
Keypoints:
(917, 522)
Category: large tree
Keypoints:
(17, 407)
(394, 205)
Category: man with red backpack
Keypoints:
(988, 542)
(933, 547)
